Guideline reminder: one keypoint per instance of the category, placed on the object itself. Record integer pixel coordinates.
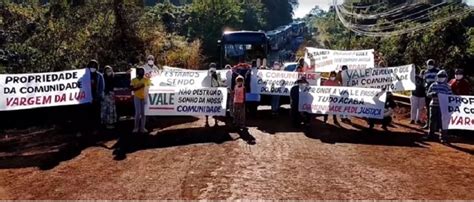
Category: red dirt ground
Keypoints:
(187, 161)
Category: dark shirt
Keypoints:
(109, 84)
(295, 96)
(390, 103)
(420, 90)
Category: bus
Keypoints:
(246, 46)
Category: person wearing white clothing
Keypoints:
(417, 99)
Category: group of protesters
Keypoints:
(429, 83)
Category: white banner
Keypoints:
(360, 102)
(324, 60)
(394, 79)
(187, 102)
(270, 82)
(457, 111)
(27, 91)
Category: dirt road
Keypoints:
(187, 161)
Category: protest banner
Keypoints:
(270, 82)
(324, 60)
(185, 101)
(360, 102)
(184, 78)
(394, 79)
(457, 111)
(27, 91)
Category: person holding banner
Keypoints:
(344, 118)
(459, 85)
(139, 86)
(276, 98)
(417, 99)
(252, 99)
(108, 109)
(331, 82)
(300, 68)
(430, 78)
(390, 105)
(296, 117)
(150, 68)
(97, 89)
(215, 82)
(440, 86)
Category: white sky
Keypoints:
(306, 5)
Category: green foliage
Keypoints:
(450, 43)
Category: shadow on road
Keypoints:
(130, 143)
(46, 148)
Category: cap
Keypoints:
(212, 65)
(430, 61)
(150, 57)
(442, 74)
(239, 78)
(459, 71)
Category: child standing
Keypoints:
(239, 103)
(331, 82)
(440, 86)
(139, 87)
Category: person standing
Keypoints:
(97, 89)
(417, 99)
(239, 103)
(300, 68)
(252, 99)
(150, 68)
(459, 84)
(340, 74)
(108, 109)
(331, 82)
(429, 78)
(438, 87)
(276, 98)
(296, 117)
(139, 86)
(215, 82)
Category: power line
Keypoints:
(353, 28)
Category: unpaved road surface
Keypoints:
(189, 161)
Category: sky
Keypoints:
(306, 5)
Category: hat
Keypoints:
(430, 61)
(212, 65)
(442, 74)
(459, 71)
(239, 78)
(212, 69)
(150, 57)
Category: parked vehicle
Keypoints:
(123, 94)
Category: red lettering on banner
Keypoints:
(463, 121)
(23, 101)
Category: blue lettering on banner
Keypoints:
(199, 109)
(370, 111)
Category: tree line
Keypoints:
(53, 35)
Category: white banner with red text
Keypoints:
(359, 102)
(457, 111)
(324, 60)
(27, 91)
(393, 79)
(270, 82)
(183, 101)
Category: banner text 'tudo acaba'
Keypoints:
(360, 102)
(26, 91)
